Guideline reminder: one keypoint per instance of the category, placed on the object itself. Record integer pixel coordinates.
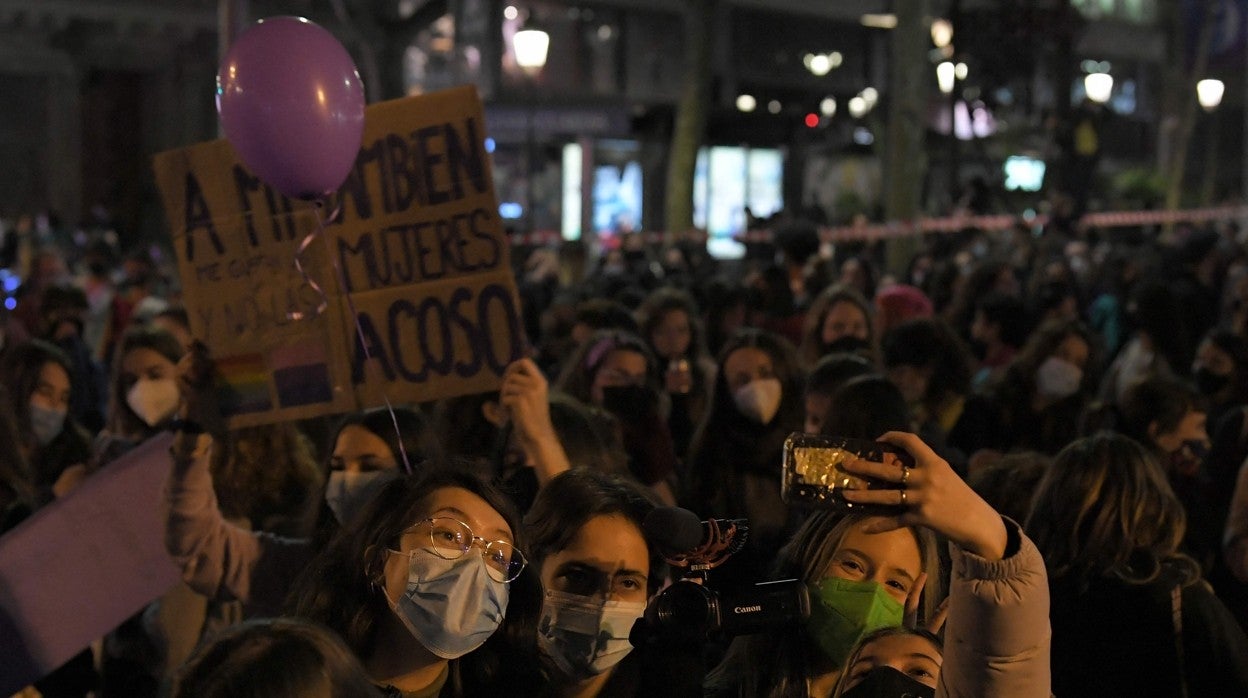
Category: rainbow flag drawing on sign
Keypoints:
(245, 384)
(301, 374)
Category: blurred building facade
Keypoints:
(796, 113)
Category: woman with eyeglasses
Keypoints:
(429, 588)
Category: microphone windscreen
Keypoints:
(672, 529)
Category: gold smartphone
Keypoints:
(814, 477)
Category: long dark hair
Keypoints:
(812, 347)
(343, 588)
(1018, 385)
(16, 482)
(414, 437)
(123, 422)
(724, 429)
(577, 377)
(20, 371)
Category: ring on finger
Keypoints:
(903, 497)
(905, 475)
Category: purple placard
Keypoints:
(84, 563)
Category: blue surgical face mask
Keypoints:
(450, 606)
(347, 493)
(46, 423)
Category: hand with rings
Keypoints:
(929, 494)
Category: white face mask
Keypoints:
(154, 400)
(759, 399)
(1058, 378)
(585, 635)
(347, 493)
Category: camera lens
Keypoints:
(687, 608)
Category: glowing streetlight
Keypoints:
(1209, 93)
(945, 75)
(531, 47)
(746, 103)
(858, 107)
(942, 32)
(1099, 86)
(827, 107)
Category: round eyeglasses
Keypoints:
(451, 539)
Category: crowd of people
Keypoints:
(1069, 517)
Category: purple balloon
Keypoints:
(292, 104)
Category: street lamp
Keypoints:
(1209, 94)
(531, 46)
(1098, 86)
(942, 32)
(946, 72)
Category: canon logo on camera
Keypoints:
(747, 609)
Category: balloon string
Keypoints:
(307, 278)
(359, 330)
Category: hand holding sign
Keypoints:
(292, 104)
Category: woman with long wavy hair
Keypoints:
(1131, 615)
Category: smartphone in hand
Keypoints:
(813, 475)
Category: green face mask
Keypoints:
(842, 612)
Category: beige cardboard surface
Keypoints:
(417, 240)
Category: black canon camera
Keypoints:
(688, 609)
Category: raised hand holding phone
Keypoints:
(930, 494)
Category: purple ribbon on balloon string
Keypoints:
(355, 315)
(307, 278)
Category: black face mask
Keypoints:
(848, 344)
(1210, 383)
(887, 682)
(630, 401)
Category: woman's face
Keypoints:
(453, 502)
(52, 389)
(747, 364)
(358, 450)
(671, 337)
(145, 363)
(912, 655)
(1073, 350)
(844, 319)
(890, 559)
(1190, 428)
(606, 558)
(620, 367)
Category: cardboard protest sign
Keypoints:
(421, 250)
(84, 563)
